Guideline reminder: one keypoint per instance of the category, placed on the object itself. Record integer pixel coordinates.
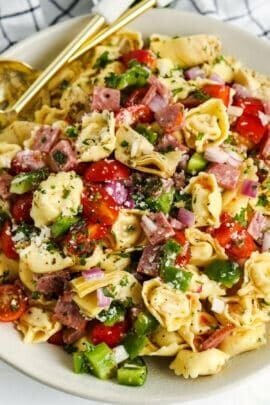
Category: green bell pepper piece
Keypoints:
(178, 278)
(62, 225)
(132, 373)
(135, 76)
(80, 363)
(101, 361)
(147, 132)
(224, 272)
(145, 324)
(161, 203)
(134, 344)
(24, 182)
(196, 163)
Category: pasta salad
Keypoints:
(134, 209)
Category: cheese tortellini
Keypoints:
(206, 199)
(127, 230)
(97, 138)
(7, 153)
(135, 151)
(60, 194)
(206, 125)
(8, 268)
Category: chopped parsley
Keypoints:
(200, 95)
(60, 157)
(102, 61)
(262, 201)
(124, 143)
(72, 132)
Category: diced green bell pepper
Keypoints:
(135, 76)
(134, 344)
(170, 251)
(24, 182)
(145, 324)
(132, 373)
(147, 132)
(178, 278)
(116, 313)
(62, 225)
(224, 272)
(80, 363)
(101, 361)
(196, 163)
(161, 203)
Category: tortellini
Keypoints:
(261, 202)
(17, 132)
(244, 339)
(125, 41)
(8, 268)
(127, 230)
(133, 150)
(37, 325)
(206, 125)
(26, 276)
(204, 249)
(97, 139)
(190, 364)
(201, 285)
(206, 199)
(163, 343)
(169, 306)
(7, 153)
(59, 194)
(186, 51)
(179, 87)
(224, 67)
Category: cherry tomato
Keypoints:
(99, 206)
(97, 231)
(57, 339)
(142, 56)
(136, 97)
(250, 105)
(13, 303)
(250, 127)
(235, 239)
(134, 114)
(184, 257)
(112, 335)
(106, 170)
(7, 243)
(220, 91)
(21, 207)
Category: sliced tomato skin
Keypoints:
(13, 303)
(99, 206)
(21, 207)
(184, 257)
(250, 127)
(220, 91)
(112, 335)
(106, 170)
(97, 231)
(250, 105)
(136, 114)
(57, 339)
(142, 56)
(6, 242)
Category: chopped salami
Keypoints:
(67, 312)
(179, 180)
(157, 96)
(168, 143)
(257, 225)
(105, 99)
(156, 227)
(52, 283)
(70, 335)
(5, 180)
(226, 175)
(170, 118)
(27, 161)
(45, 137)
(217, 337)
(149, 263)
(62, 157)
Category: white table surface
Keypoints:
(17, 389)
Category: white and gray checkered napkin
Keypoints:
(20, 18)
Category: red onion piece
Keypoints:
(102, 300)
(216, 78)
(266, 105)
(241, 91)
(216, 155)
(157, 103)
(117, 190)
(194, 72)
(234, 159)
(93, 274)
(186, 217)
(176, 224)
(257, 225)
(266, 242)
(249, 188)
(264, 118)
(129, 203)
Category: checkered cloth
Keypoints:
(21, 18)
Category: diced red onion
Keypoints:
(266, 242)
(102, 300)
(93, 274)
(117, 190)
(241, 91)
(234, 159)
(149, 224)
(216, 78)
(266, 105)
(215, 155)
(194, 72)
(120, 354)
(129, 203)
(218, 306)
(235, 111)
(157, 103)
(186, 217)
(176, 224)
(249, 188)
(264, 118)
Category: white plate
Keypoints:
(50, 364)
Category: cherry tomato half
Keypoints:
(6, 242)
(112, 335)
(184, 257)
(142, 56)
(220, 91)
(106, 170)
(57, 339)
(250, 105)
(21, 207)
(250, 127)
(13, 303)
